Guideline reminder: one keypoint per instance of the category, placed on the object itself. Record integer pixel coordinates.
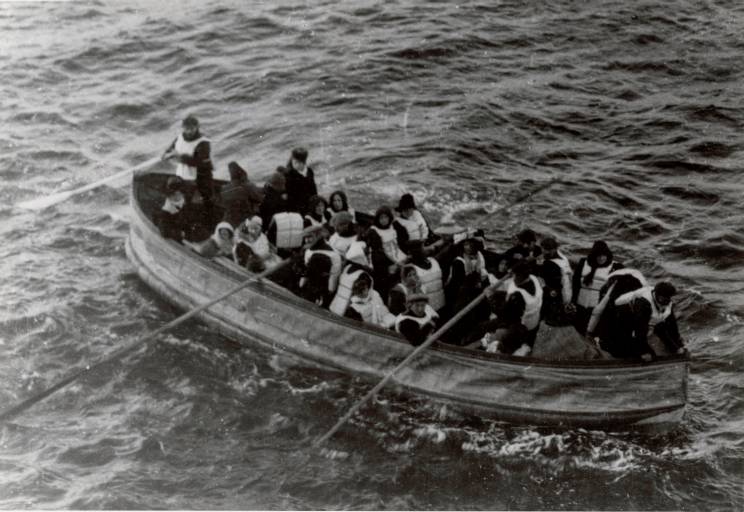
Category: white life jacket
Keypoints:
(532, 303)
(389, 239)
(343, 293)
(184, 147)
(335, 265)
(589, 293)
(657, 315)
(260, 247)
(415, 226)
(373, 310)
(428, 317)
(566, 276)
(431, 283)
(472, 265)
(341, 244)
(289, 226)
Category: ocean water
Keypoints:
(636, 108)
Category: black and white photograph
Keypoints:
(372, 255)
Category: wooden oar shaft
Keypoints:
(117, 354)
(431, 339)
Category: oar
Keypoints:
(45, 201)
(431, 339)
(117, 354)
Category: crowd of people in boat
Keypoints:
(391, 270)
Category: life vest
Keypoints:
(372, 309)
(343, 294)
(431, 283)
(335, 265)
(532, 303)
(566, 274)
(389, 239)
(429, 316)
(589, 293)
(471, 265)
(260, 247)
(415, 226)
(289, 226)
(657, 315)
(341, 244)
(184, 147)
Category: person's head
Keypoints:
(298, 159)
(224, 231)
(312, 234)
(526, 238)
(190, 127)
(237, 173)
(663, 293)
(174, 188)
(343, 223)
(600, 255)
(278, 182)
(469, 247)
(362, 285)
(317, 205)
(521, 271)
(406, 205)
(417, 304)
(338, 201)
(383, 217)
(251, 227)
(409, 277)
(549, 246)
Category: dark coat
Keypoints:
(272, 203)
(300, 189)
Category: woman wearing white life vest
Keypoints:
(252, 249)
(316, 208)
(357, 265)
(524, 298)
(322, 268)
(429, 274)
(410, 224)
(219, 244)
(555, 270)
(386, 255)
(640, 313)
(367, 306)
(337, 202)
(418, 321)
(591, 275)
(192, 151)
(345, 232)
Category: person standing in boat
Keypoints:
(192, 151)
(322, 268)
(409, 284)
(640, 313)
(386, 255)
(240, 199)
(300, 181)
(418, 321)
(555, 270)
(591, 275)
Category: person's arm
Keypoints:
(668, 332)
(169, 152)
(402, 235)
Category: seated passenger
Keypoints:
(322, 268)
(240, 198)
(591, 275)
(315, 215)
(275, 198)
(219, 244)
(366, 304)
(337, 202)
(618, 283)
(171, 220)
(429, 274)
(525, 248)
(410, 224)
(385, 252)
(344, 232)
(523, 303)
(409, 284)
(639, 313)
(556, 272)
(252, 249)
(418, 321)
(358, 265)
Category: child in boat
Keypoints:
(418, 321)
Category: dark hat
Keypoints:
(417, 297)
(665, 289)
(406, 202)
(300, 154)
(549, 243)
(190, 120)
(278, 182)
(527, 236)
(237, 173)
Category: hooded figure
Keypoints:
(219, 244)
(591, 275)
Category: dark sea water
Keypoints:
(636, 106)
